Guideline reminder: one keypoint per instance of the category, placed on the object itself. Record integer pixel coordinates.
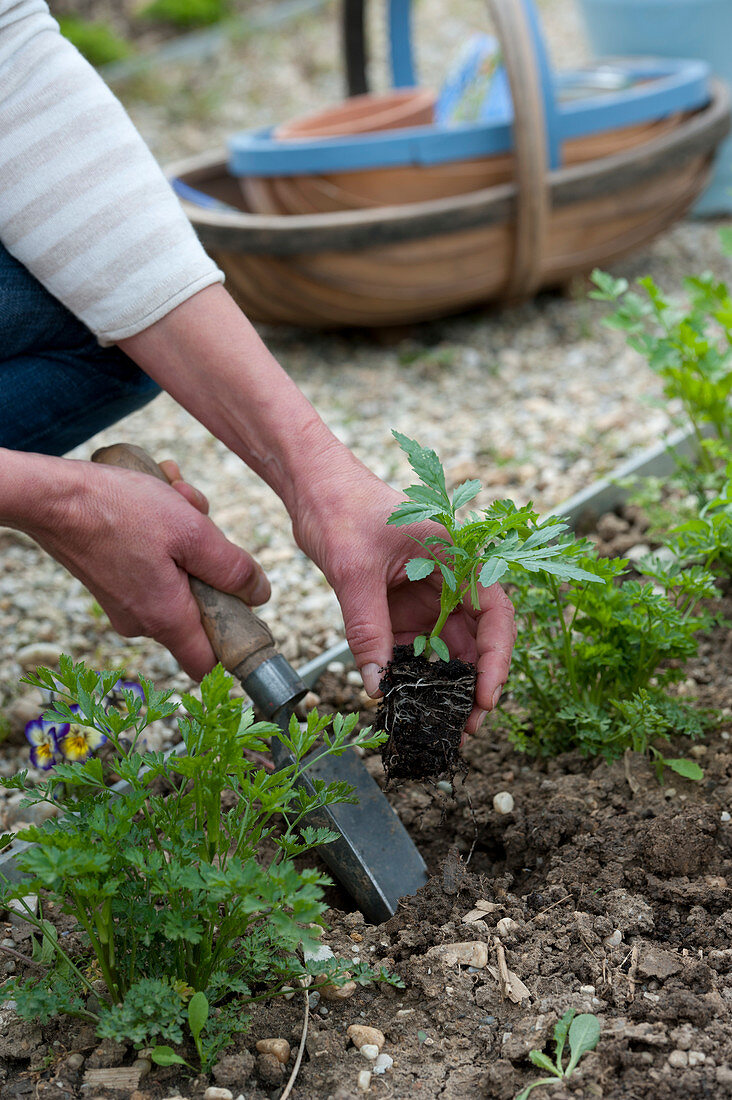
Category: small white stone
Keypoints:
(614, 940)
(724, 817)
(588, 989)
(678, 1059)
(364, 1080)
(383, 1063)
(369, 1051)
(354, 678)
(696, 1057)
(444, 786)
(503, 802)
(506, 926)
(213, 1092)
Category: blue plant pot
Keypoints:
(671, 28)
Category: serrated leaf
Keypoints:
(492, 571)
(419, 568)
(689, 769)
(543, 1061)
(425, 464)
(438, 646)
(465, 492)
(409, 512)
(584, 1034)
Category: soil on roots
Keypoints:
(424, 710)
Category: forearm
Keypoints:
(34, 488)
(208, 356)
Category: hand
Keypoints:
(364, 561)
(133, 541)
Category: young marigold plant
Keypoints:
(176, 906)
(591, 664)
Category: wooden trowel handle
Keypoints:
(239, 639)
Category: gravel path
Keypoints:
(536, 401)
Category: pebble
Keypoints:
(724, 817)
(506, 927)
(503, 802)
(697, 1057)
(279, 1047)
(678, 1059)
(364, 1080)
(144, 1065)
(362, 1035)
(369, 1051)
(469, 953)
(214, 1092)
(382, 1064)
(614, 940)
(74, 1061)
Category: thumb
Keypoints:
(368, 632)
(212, 558)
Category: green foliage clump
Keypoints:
(187, 13)
(592, 663)
(175, 901)
(99, 43)
(689, 345)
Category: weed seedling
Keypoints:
(583, 1032)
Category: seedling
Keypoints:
(583, 1032)
(481, 549)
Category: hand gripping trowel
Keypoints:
(374, 858)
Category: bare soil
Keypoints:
(619, 899)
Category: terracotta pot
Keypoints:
(364, 114)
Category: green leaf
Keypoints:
(419, 644)
(465, 492)
(419, 568)
(544, 1062)
(425, 464)
(584, 1034)
(688, 768)
(492, 571)
(438, 646)
(197, 1014)
(166, 1056)
(561, 1031)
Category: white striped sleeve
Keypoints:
(83, 203)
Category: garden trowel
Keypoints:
(374, 858)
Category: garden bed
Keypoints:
(615, 889)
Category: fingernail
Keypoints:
(257, 591)
(370, 674)
(479, 719)
(497, 696)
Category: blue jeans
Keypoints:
(58, 387)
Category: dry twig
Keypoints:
(301, 1050)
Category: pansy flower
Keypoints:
(43, 739)
(78, 742)
(115, 697)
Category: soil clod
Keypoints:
(424, 710)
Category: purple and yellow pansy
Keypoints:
(43, 739)
(76, 743)
(51, 742)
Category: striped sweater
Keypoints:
(83, 204)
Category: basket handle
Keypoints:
(531, 146)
